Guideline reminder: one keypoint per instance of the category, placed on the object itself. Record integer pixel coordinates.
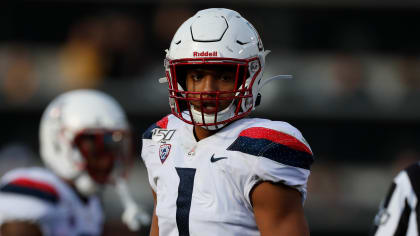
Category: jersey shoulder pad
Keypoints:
(30, 182)
(275, 140)
(162, 124)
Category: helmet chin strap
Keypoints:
(134, 215)
(223, 115)
(86, 185)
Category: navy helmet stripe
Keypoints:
(43, 195)
(274, 151)
(149, 132)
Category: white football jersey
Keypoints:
(203, 188)
(37, 195)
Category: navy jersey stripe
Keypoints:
(382, 208)
(183, 202)
(413, 173)
(274, 151)
(43, 195)
(149, 132)
(389, 194)
(403, 222)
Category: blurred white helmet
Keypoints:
(79, 128)
(213, 37)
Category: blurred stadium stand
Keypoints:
(355, 94)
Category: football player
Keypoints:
(85, 143)
(399, 211)
(213, 171)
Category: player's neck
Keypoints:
(82, 198)
(202, 133)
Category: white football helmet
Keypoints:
(80, 127)
(213, 37)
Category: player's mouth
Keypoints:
(100, 176)
(208, 107)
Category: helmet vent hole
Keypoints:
(258, 100)
(241, 43)
(178, 42)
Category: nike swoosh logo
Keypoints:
(214, 159)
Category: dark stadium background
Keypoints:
(355, 93)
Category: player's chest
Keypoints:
(205, 181)
(205, 157)
(79, 219)
(205, 167)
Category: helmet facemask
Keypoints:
(190, 106)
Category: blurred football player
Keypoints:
(212, 170)
(399, 211)
(85, 144)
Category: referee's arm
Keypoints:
(398, 212)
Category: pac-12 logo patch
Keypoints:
(164, 152)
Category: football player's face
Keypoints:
(100, 152)
(211, 79)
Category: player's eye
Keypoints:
(196, 76)
(227, 77)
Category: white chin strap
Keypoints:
(223, 115)
(86, 185)
(134, 215)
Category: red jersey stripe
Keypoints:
(275, 136)
(33, 184)
(163, 123)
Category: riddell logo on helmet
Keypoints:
(205, 54)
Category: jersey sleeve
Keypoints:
(148, 149)
(281, 156)
(399, 209)
(23, 198)
(162, 124)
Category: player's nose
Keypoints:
(210, 83)
(104, 161)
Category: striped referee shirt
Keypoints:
(399, 211)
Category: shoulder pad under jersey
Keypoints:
(29, 185)
(281, 143)
(163, 124)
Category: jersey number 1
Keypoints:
(183, 202)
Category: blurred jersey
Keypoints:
(37, 195)
(203, 188)
(399, 211)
